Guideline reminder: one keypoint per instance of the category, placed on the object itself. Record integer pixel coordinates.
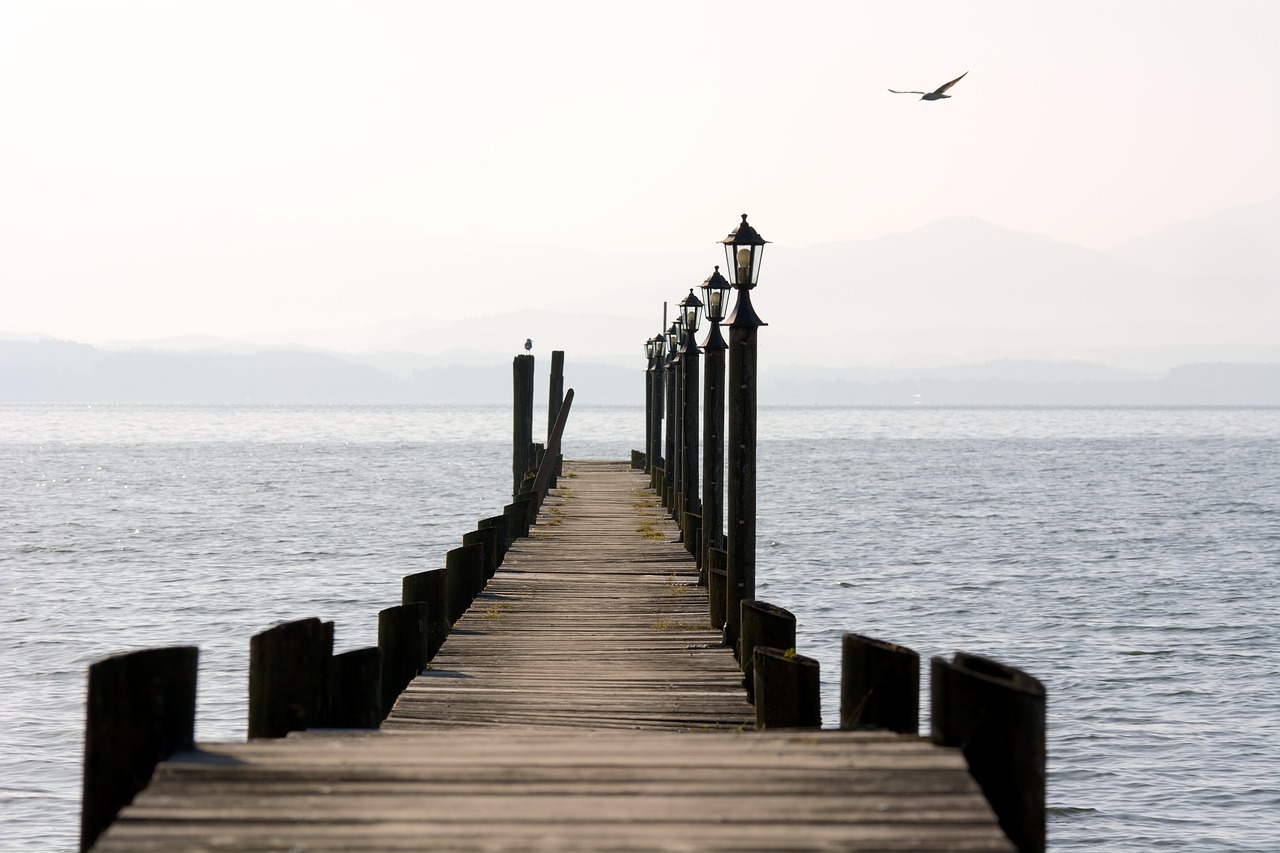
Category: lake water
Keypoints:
(1129, 558)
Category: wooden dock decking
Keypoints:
(580, 704)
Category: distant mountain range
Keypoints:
(958, 311)
(60, 372)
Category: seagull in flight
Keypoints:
(937, 94)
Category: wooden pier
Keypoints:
(581, 703)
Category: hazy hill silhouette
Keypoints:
(60, 372)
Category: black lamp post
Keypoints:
(743, 250)
(654, 448)
(676, 343)
(690, 313)
(669, 428)
(648, 406)
(715, 293)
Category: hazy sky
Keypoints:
(229, 168)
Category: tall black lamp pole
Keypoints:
(648, 406)
(715, 295)
(654, 448)
(677, 344)
(691, 312)
(743, 250)
(669, 428)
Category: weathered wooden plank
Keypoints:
(517, 788)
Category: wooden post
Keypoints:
(432, 589)
(555, 390)
(141, 709)
(879, 686)
(555, 397)
(498, 524)
(355, 700)
(524, 508)
(656, 460)
(762, 624)
(288, 676)
(715, 586)
(472, 556)
(514, 524)
(693, 541)
(648, 413)
(522, 435)
(676, 474)
(465, 569)
(787, 691)
(546, 472)
(713, 443)
(740, 528)
(690, 435)
(487, 539)
(996, 715)
(403, 643)
(668, 429)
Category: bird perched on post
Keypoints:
(937, 94)
(528, 344)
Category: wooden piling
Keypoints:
(465, 570)
(693, 542)
(648, 411)
(675, 474)
(498, 523)
(555, 397)
(487, 539)
(762, 624)
(787, 691)
(879, 685)
(655, 447)
(713, 442)
(522, 434)
(996, 715)
(740, 493)
(690, 396)
(472, 557)
(545, 476)
(288, 677)
(141, 709)
(432, 589)
(715, 585)
(355, 700)
(523, 513)
(403, 643)
(668, 429)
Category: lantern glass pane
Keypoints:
(757, 252)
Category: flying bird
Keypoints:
(937, 94)
(528, 344)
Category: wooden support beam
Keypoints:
(288, 677)
(787, 691)
(355, 684)
(879, 685)
(141, 709)
(996, 715)
(403, 644)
